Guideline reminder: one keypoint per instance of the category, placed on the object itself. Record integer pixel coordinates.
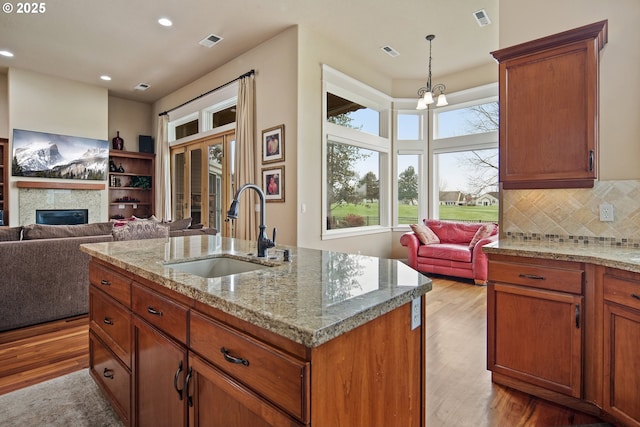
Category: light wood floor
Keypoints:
(459, 388)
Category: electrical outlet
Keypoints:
(606, 212)
(415, 313)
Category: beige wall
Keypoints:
(275, 65)
(131, 119)
(313, 52)
(48, 104)
(619, 112)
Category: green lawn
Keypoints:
(409, 214)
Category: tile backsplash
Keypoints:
(573, 215)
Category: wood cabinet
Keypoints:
(549, 110)
(194, 365)
(5, 164)
(131, 184)
(622, 346)
(110, 354)
(535, 322)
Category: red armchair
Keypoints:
(455, 250)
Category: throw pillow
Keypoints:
(179, 224)
(140, 229)
(424, 234)
(483, 232)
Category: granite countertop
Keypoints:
(311, 300)
(624, 258)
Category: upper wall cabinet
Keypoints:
(549, 110)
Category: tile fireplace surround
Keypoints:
(31, 199)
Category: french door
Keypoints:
(202, 185)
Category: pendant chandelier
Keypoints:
(428, 92)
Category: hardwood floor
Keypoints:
(35, 354)
(459, 388)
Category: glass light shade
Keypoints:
(421, 105)
(428, 98)
(442, 100)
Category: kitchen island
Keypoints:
(326, 339)
(563, 323)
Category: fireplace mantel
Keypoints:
(60, 185)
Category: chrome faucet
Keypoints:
(263, 241)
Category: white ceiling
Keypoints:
(83, 39)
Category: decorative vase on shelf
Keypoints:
(120, 168)
(112, 166)
(118, 143)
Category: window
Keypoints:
(410, 148)
(408, 184)
(464, 157)
(356, 169)
(350, 114)
(468, 185)
(353, 186)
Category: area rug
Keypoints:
(72, 400)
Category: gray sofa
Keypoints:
(43, 274)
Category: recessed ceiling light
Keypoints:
(105, 78)
(165, 22)
(6, 53)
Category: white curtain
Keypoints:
(163, 172)
(247, 223)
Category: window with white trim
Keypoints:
(356, 157)
(463, 150)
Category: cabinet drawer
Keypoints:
(622, 291)
(550, 277)
(114, 284)
(164, 314)
(114, 378)
(275, 375)
(112, 323)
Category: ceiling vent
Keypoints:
(390, 51)
(142, 86)
(210, 40)
(481, 17)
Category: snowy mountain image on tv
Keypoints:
(46, 155)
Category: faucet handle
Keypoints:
(273, 240)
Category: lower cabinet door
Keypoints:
(536, 336)
(216, 400)
(622, 363)
(159, 375)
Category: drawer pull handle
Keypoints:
(108, 373)
(105, 282)
(229, 358)
(186, 386)
(531, 276)
(636, 296)
(175, 380)
(107, 321)
(153, 311)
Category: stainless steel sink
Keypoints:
(216, 267)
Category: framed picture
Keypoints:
(273, 184)
(273, 145)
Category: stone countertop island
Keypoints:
(326, 339)
(310, 300)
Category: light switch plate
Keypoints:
(416, 305)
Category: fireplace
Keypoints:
(62, 216)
